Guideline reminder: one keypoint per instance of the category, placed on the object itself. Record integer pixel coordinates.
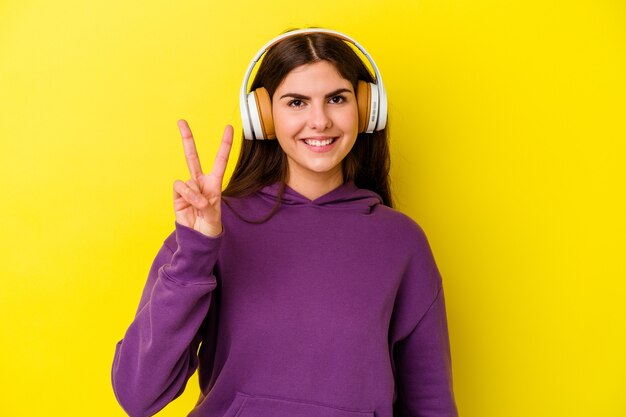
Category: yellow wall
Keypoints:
(508, 137)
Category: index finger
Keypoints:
(189, 146)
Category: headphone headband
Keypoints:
(380, 113)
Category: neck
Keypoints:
(315, 185)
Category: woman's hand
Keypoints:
(197, 202)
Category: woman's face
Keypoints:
(316, 121)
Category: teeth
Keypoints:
(313, 142)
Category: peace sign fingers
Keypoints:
(197, 202)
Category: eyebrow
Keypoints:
(303, 97)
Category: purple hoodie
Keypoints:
(332, 307)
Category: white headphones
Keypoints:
(256, 107)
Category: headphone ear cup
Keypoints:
(364, 102)
(264, 107)
(367, 102)
(260, 114)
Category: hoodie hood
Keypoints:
(261, 204)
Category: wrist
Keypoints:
(208, 229)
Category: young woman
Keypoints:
(298, 291)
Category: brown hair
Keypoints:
(263, 162)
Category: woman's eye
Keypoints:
(337, 99)
(295, 103)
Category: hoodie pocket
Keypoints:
(245, 405)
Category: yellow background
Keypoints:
(507, 127)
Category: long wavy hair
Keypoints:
(263, 162)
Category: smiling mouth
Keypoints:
(317, 142)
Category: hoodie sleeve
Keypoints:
(159, 351)
(421, 349)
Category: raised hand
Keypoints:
(197, 202)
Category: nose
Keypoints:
(319, 119)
